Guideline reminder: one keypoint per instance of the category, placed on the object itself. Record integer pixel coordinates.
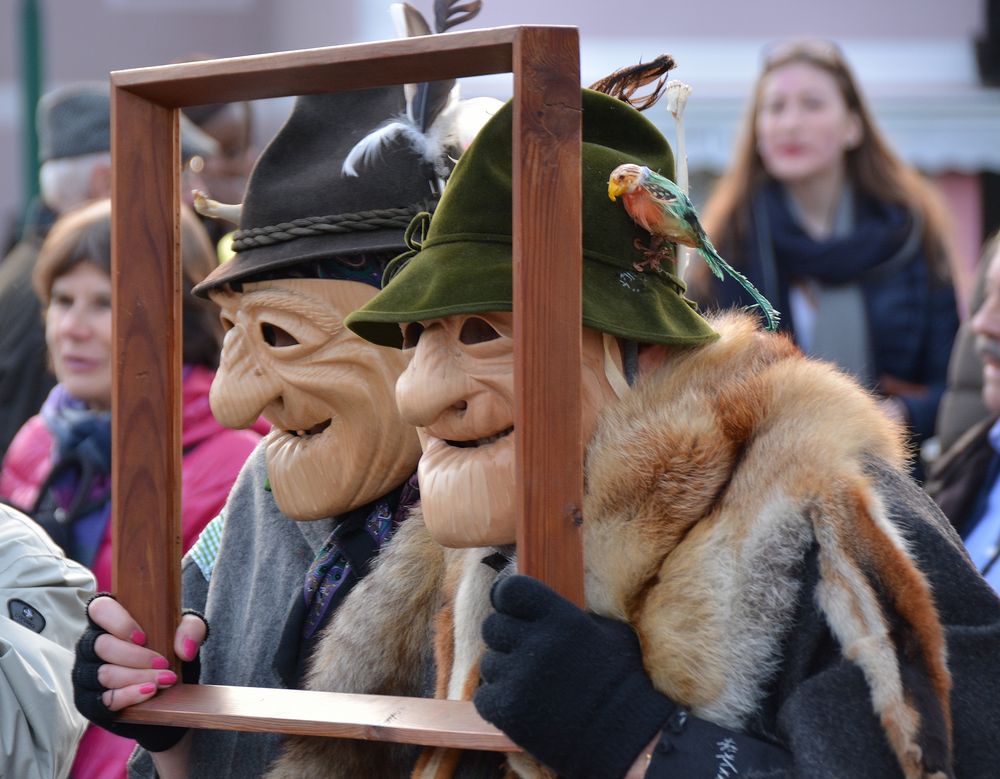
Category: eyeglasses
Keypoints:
(818, 50)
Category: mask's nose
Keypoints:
(434, 384)
(242, 388)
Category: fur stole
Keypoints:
(707, 487)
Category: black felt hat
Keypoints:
(300, 206)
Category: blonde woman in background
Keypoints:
(848, 241)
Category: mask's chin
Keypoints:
(467, 489)
(298, 472)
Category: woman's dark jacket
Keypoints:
(912, 316)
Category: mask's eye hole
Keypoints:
(227, 324)
(476, 331)
(276, 336)
(411, 334)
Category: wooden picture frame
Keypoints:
(146, 452)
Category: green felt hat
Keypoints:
(460, 261)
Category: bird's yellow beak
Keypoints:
(614, 189)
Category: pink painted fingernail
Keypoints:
(138, 637)
(166, 678)
(146, 689)
(160, 663)
(190, 649)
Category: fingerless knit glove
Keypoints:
(88, 692)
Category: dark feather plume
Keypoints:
(448, 13)
(429, 101)
(625, 82)
(431, 98)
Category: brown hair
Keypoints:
(84, 235)
(872, 167)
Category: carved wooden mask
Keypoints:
(338, 441)
(458, 390)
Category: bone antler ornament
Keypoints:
(213, 209)
(677, 96)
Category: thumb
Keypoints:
(190, 635)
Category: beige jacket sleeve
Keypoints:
(42, 614)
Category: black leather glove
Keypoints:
(567, 686)
(88, 691)
(570, 688)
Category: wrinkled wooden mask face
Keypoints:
(458, 390)
(337, 440)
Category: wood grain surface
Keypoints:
(146, 373)
(329, 69)
(547, 307)
(369, 717)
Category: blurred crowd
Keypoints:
(850, 242)
(55, 295)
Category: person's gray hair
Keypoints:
(66, 182)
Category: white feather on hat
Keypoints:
(437, 124)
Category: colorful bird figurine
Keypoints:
(659, 206)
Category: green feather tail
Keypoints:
(717, 265)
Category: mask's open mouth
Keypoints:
(481, 441)
(314, 430)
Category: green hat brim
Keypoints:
(441, 272)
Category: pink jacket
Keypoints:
(213, 458)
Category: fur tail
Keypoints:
(880, 608)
